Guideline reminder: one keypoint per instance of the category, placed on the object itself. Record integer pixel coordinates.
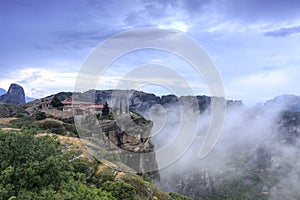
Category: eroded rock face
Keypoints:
(133, 136)
(15, 95)
(123, 139)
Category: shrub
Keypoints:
(54, 127)
(41, 116)
(147, 178)
(72, 129)
(30, 163)
(35, 168)
(21, 122)
(56, 102)
(176, 196)
(120, 190)
(20, 115)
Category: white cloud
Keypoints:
(176, 25)
(46, 81)
(265, 85)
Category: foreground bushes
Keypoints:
(34, 167)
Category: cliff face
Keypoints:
(289, 127)
(142, 101)
(123, 140)
(131, 133)
(15, 95)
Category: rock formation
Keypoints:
(142, 101)
(15, 95)
(123, 139)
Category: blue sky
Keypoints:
(254, 44)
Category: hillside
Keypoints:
(55, 154)
(257, 164)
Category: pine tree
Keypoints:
(56, 102)
(105, 111)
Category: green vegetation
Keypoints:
(56, 102)
(146, 177)
(20, 115)
(120, 190)
(34, 168)
(144, 189)
(41, 116)
(176, 196)
(105, 111)
(54, 127)
(105, 114)
(38, 166)
(9, 110)
(34, 123)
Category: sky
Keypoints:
(254, 44)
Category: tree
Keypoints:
(56, 102)
(105, 111)
(34, 167)
(30, 163)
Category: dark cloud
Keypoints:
(282, 32)
(253, 10)
(149, 11)
(195, 6)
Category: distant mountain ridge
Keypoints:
(2, 91)
(285, 102)
(141, 101)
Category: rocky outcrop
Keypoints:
(289, 127)
(15, 95)
(131, 133)
(142, 101)
(123, 139)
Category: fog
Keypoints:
(249, 141)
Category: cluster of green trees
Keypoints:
(34, 167)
